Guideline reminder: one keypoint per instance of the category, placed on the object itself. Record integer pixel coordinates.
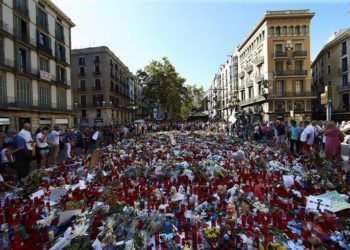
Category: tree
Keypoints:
(163, 87)
(194, 101)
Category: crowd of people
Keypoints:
(22, 151)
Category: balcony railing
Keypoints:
(61, 59)
(24, 37)
(97, 73)
(290, 73)
(95, 88)
(81, 74)
(293, 94)
(343, 87)
(241, 74)
(6, 62)
(259, 60)
(59, 36)
(21, 8)
(44, 49)
(249, 83)
(249, 68)
(82, 89)
(343, 70)
(299, 53)
(280, 54)
(259, 78)
(63, 81)
(26, 69)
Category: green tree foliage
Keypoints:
(194, 101)
(163, 86)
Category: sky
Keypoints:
(196, 36)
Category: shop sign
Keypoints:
(44, 121)
(61, 121)
(99, 121)
(4, 121)
(45, 75)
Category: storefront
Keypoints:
(45, 122)
(4, 124)
(98, 121)
(62, 123)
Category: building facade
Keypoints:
(331, 68)
(274, 67)
(103, 88)
(35, 46)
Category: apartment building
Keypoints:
(35, 45)
(103, 87)
(274, 67)
(331, 68)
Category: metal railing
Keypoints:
(343, 87)
(26, 69)
(81, 74)
(299, 53)
(249, 83)
(95, 88)
(27, 104)
(61, 59)
(293, 94)
(44, 48)
(81, 89)
(343, 70)
(259, 60)
(278, 54)
(249, 68)
(24, 37)
(290, 73)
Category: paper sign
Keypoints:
(37, 194)
(337, 201)
(67, 215)
(316, 202)
(95, 136)
(56, 194)
(288, 180)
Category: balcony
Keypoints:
(97, 60)
(44, 49)
(343, 70)
(61, 59)
(59, 36)
(300, 53)
(241, 74)
(343, 87)
(97, 73)
(249, 83)
(26, 69)
(249, 68)
(96, 88)
(81, 74)
(259, 78)
(259, 60)
(280, 54)
(63, 81)
(283, 73)
(81, 89)
(24, 38)
(293, 94)
(20, 8)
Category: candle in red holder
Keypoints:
(156, 239)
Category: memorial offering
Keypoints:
(177, 190)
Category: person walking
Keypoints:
(281, 134)
(43, 146)
(69, 141)
(294, 132)
(307, 136)
(26, 134)
(333, 142)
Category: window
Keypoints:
(97, 59)
(298, 86)
(97, 69)
(343, 48)
(82, 71)
(44, 64)
(22, 60)
(60, 52)
(44, 40)
(345, 100)
(98, 112)
(2, 90)
(82, 85)
(279, 88)
(20, 5)
(23, 92)
(344, 64)
(250, 93)
(21, 29)
(290, 31)
(284, 31)
(59, 32)
(97, 83)
(83, 113)
(328, 69)
(278, 31)
(81, 60)
(42, 19)
(61, 99)
(297, 30)
(329, 83)
(299, 106)
(344, 80)
(243, 95)
(61, 74)
(279, 66)
(97, 100)
(328, 54)
(279, 47)
(298, 47)
(44, 96)
(298, 65)
(83, 101)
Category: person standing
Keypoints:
(294, 132)
(43, 146)
(26, 134)
(307, 136)
(54, 141)
(333, 142)
(69, 141)
(281, 134)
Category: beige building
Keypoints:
(274, 67)
(331, 68)
(104, 89)
(35, 45)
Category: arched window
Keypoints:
(297, 30)
(278, 31)
(272, 31)
(284, 30)
(303, 30)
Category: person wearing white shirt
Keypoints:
(54, 141)
(308, 135)
(26, 135)
(43, 146)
